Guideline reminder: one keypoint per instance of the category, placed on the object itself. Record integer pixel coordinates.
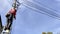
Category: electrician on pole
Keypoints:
(11, 14)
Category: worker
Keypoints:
(11, 14)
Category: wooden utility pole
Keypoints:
(1, 27)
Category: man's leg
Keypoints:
(9, 21)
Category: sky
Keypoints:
(29, 21)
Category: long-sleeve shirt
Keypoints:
(13, 11)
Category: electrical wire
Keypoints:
(42, 12)
(45, 5)
(32, 5)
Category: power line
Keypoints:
(45, 6)
(43, 13)
(35, 6)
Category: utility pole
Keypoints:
(1, 27)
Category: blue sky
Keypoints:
(30, 22)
